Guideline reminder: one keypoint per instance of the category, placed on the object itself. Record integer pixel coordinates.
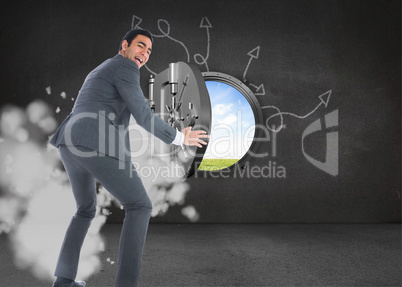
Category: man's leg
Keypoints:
(84, 190)
(126, 186)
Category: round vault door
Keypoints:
(215, 102)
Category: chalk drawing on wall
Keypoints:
(254, 54)
(324, 100)
(164, 29)
(207, 25)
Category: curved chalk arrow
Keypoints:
(207, 25)
(324, 100)
(136, 21)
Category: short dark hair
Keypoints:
(130, 35)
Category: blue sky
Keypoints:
(232, 127)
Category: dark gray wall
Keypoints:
(306, 48)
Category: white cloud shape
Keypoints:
(222, 109)
(229, 120)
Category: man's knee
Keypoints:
(87, 213)
(145, 206)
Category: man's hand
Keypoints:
(194, 137)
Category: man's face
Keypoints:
(139, 50)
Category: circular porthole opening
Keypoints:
(235, 114)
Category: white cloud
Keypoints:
(221, 109)
(228, 120)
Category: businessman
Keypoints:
(93, 143)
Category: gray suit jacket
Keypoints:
(101, 113)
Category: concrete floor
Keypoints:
(249, 255)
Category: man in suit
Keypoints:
(93, 143)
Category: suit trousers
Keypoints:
(126, 186)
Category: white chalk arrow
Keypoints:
(205, 23)
(135, 25)
(324, 100)
(260, 90)
(253, 55)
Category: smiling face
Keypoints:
(139, 50)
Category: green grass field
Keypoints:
(208, 164)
